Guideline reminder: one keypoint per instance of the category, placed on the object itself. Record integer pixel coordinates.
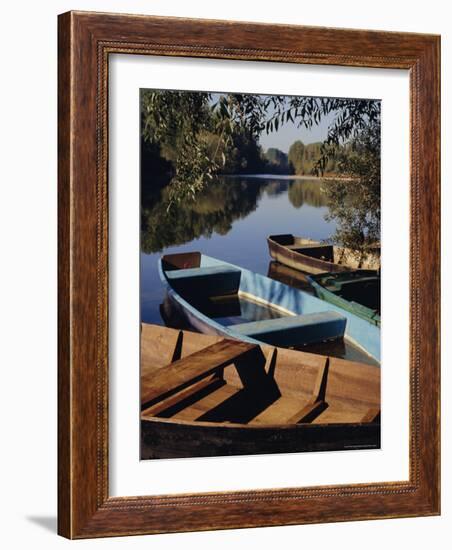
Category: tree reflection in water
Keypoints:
(307, 192)
(215, 209)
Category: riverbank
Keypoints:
(272, 176)
(290, 177)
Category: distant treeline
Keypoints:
(245, 156)
(189, 139)
(301, 159)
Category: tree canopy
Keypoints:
(303, 158)
(354, 203)
(202, 134)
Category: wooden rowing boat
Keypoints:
(316, 257)
(354, 291)
(216, 297)
(205, 395)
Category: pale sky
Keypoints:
(288, 132)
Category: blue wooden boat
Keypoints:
(209, 293)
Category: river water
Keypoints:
(231, 221)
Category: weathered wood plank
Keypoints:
(190, 369)
(280, 412)
(372, 415)
(192, 391)
(308, 413)
(207, 403)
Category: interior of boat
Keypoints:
(362, 287)
(191, 377)
(209, 289)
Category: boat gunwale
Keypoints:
(256, 426)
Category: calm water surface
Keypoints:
(232, 221)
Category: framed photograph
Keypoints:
(248, 275)
(210, 386)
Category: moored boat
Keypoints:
(204, 395)
(316, 257)
(354, 291)
(205, 291)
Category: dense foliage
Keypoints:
(188, 138)
(176, 126)
(277, 161)
(201, 134)
(303, 158)
(354, 202)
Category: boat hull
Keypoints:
(161, 438)
(175, 308)
(296, 259)
(288, 300)
(361, 311)
(301, 262)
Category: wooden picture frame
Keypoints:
(86, 40)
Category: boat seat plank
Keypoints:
(207, 403)
(280, 411)
(181, 261)
(206, 281)
(200, 272)
(316, 405)
(294, 246)
(177, 400)
(191, 369)
(295, 330)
